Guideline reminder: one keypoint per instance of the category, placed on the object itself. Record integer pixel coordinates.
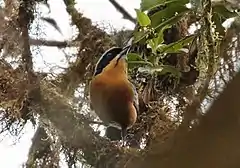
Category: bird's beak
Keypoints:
(125, 51)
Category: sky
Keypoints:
(13, 153)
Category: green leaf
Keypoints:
(220, 15)
(134, 57)
(223, 12)
(134, 64)
(160, 39)
(161, 70)
(170, 69)
(167, 13)
(149, 4)
(176, 46)
(149, 70)
(142, 18)
(171, 21)
(135, 60)
(140, 63)
(218, 20)
(153, 44)
(138, 36)
(173, 12)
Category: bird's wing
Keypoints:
(135, 98)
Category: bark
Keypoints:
(213, 143)
(40, 153)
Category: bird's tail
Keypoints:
(113, 133)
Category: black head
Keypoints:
(106, 58)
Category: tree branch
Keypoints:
(74, 129)
(40, 153)
(120, 9)
(49, 43)
(214, 143)
(24, 21)
(94, 42)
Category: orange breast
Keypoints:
(112, 96)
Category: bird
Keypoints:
(112, 96)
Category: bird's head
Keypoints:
(112, 58)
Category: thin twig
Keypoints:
(49, 43)
(24, 21)
(123, 11)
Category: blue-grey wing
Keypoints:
(135, 98)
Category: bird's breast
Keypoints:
(112, 100)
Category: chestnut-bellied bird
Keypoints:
(113, 97)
